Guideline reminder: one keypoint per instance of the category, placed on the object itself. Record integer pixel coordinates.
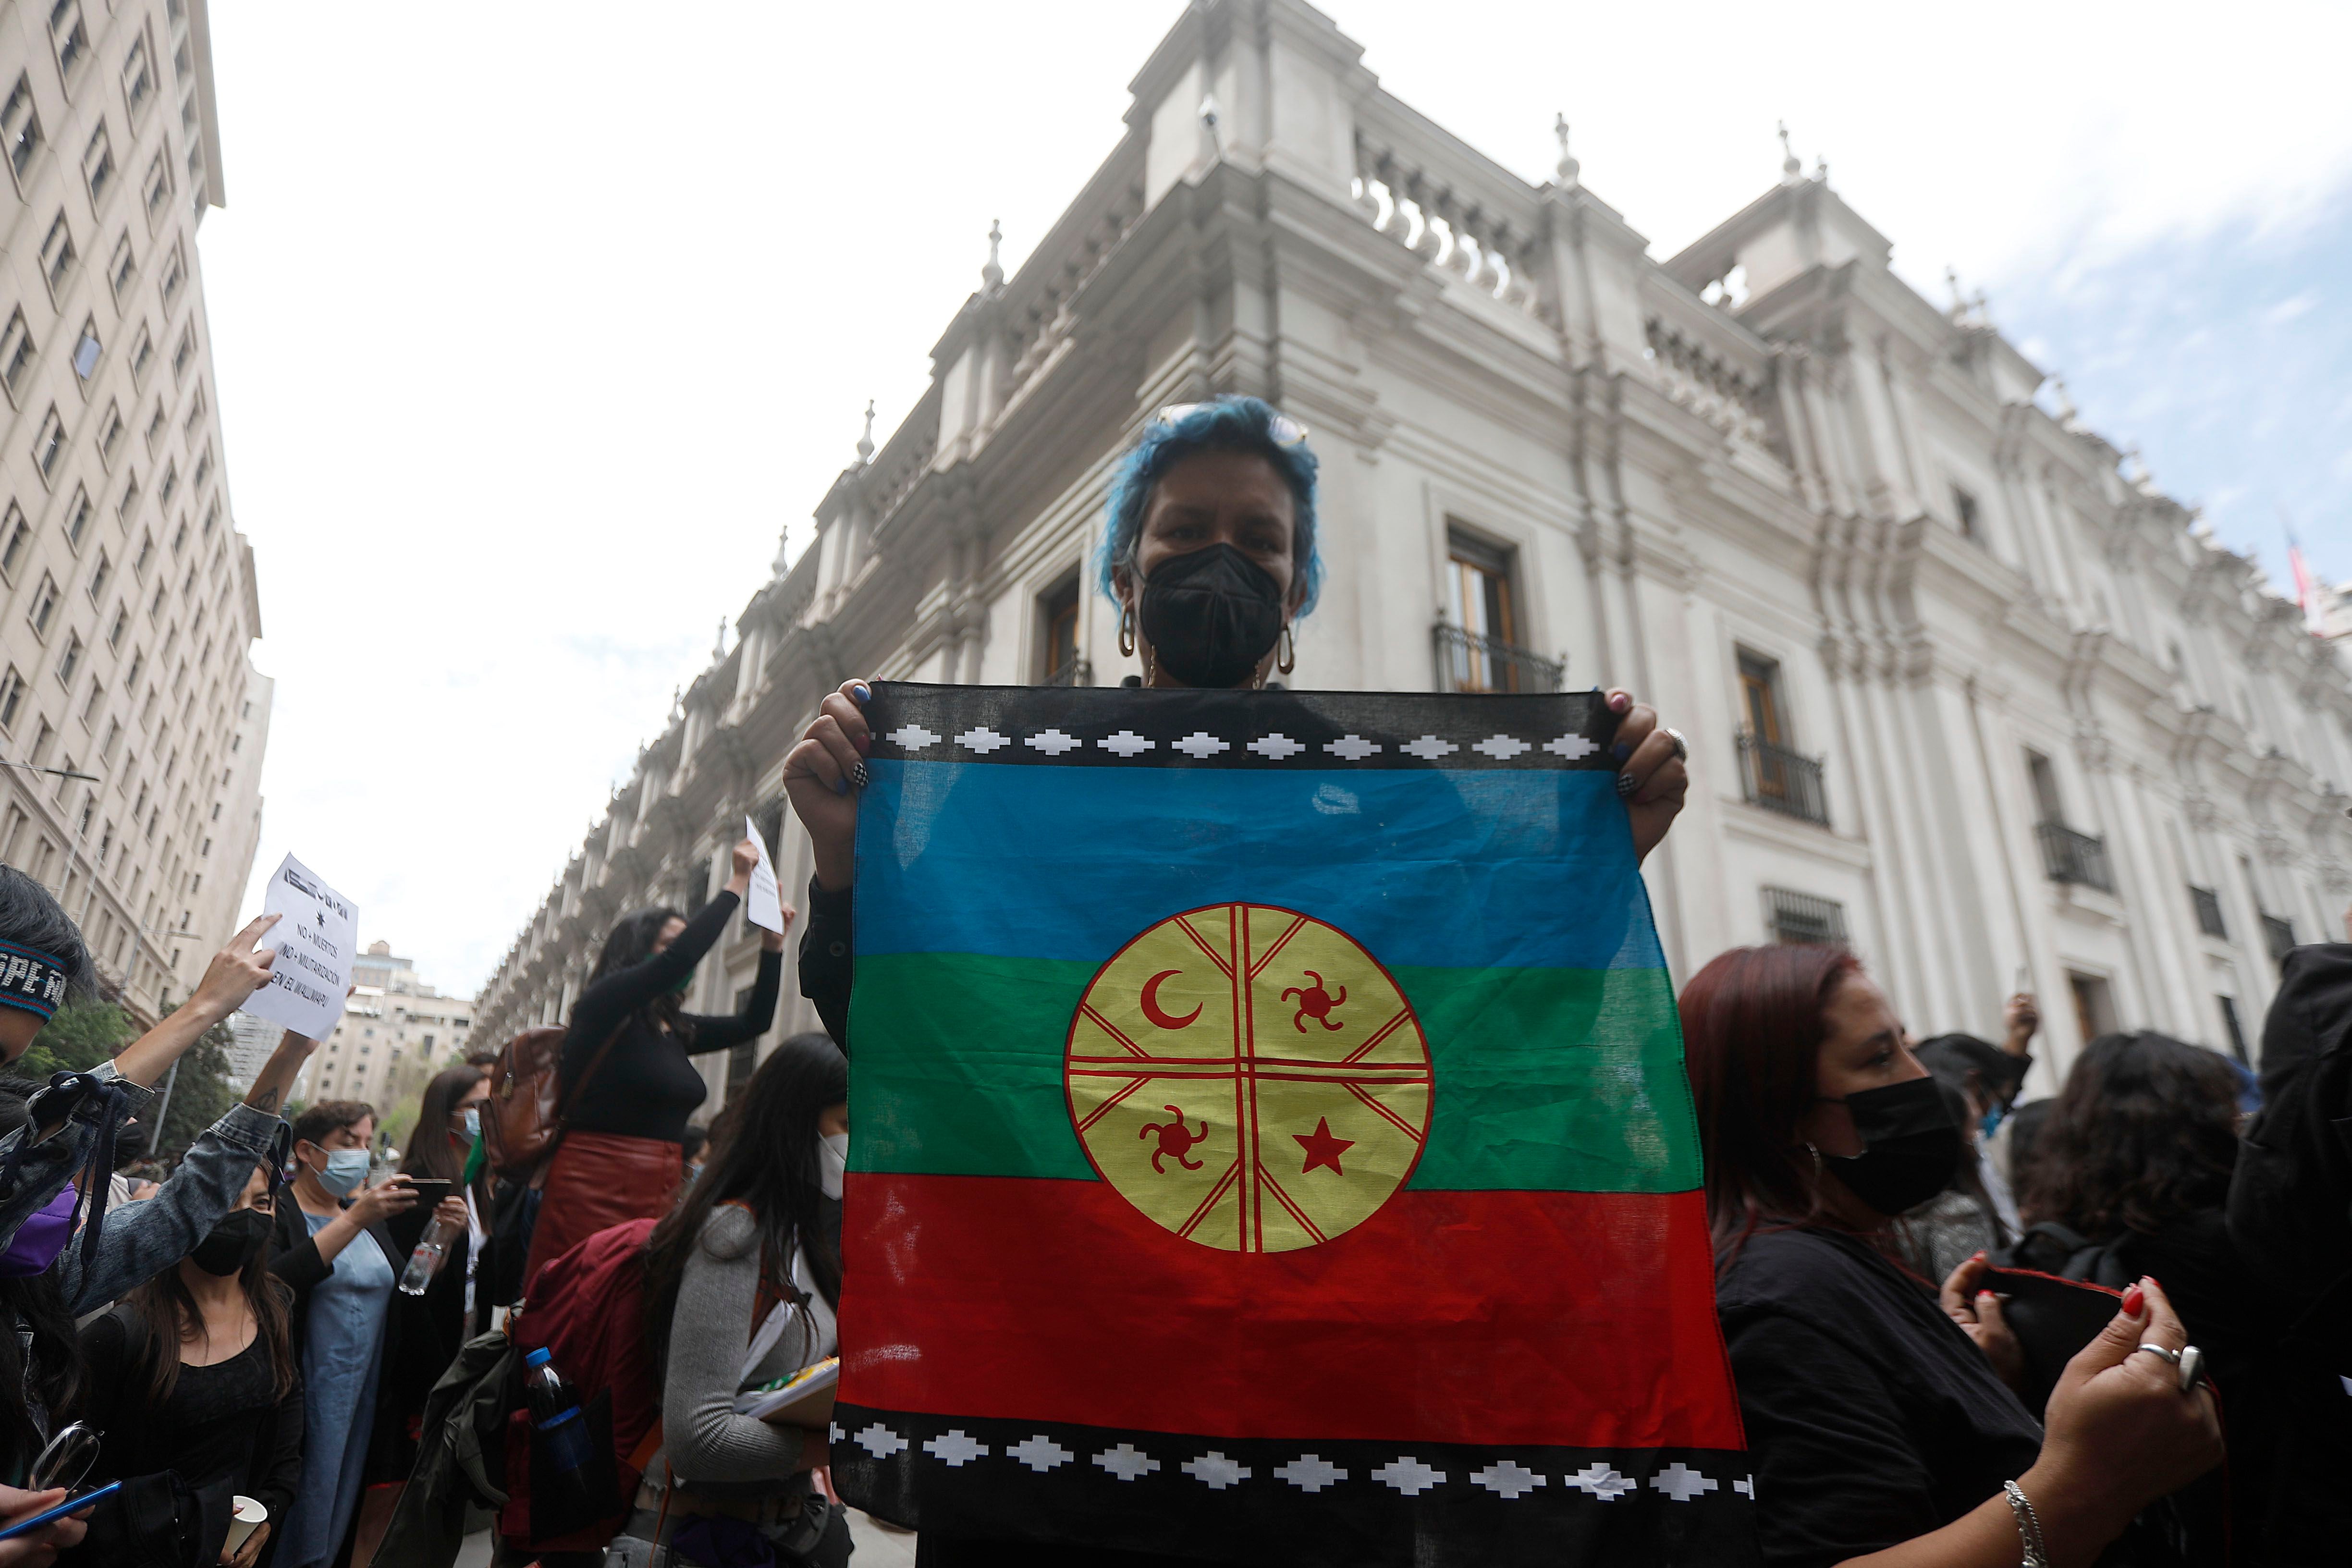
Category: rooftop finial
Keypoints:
(2067, 414)
(1569, 166)
(1821, 170)
(718, 648)
(1952, 281)
(992, 276)
(1792, 168)
(865, 442)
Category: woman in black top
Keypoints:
(1880, 1424)
(628, 1085)
(194, 1371)
(2137, 1158)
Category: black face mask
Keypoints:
(231, 1242)
(1211, 616)
(1910, 1145)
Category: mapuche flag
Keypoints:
(1270, 1140)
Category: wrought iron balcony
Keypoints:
(2209, 912)
(2280, 934)
(2080, 858)
(1072, 671)
(1796, 917)
(1469, 662)
(1779, 779)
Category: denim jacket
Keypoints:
(143, 1239)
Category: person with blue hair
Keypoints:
(1210, 550)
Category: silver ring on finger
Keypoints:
(1682, 746)
(2166, 1351)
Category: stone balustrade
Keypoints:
(1483, 232)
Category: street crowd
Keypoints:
(279, 1353)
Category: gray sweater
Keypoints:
(705, 1441)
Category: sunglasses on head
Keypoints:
(1284, 430)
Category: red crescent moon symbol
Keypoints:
(1155, 1012)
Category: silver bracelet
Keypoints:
(2029, 1527)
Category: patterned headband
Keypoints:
(30, 979)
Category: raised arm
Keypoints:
(716, 1032)
(143, 1239)
(235, 973)
(602, 1005)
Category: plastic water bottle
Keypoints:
(555, 1419)
(426, 1261)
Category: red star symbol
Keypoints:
(1322, 1148)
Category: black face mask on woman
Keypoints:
(1910, 1146)
(231, 1242)
(1211, 615)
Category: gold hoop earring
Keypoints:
(1286, 654)
(1126, 630)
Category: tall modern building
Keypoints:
(1961, 688)
(131, 722)
(395, 1032)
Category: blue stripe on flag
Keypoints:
(1424, 866)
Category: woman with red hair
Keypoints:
(1879, 1420)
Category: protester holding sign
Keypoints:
(628, 1084)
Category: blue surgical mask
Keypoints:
(346, 1169)
(471, 1119)
(1992, 1119)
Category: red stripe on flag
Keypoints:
(1579, 1320)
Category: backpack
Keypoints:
(524, 1115)
(587, 1310)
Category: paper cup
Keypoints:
(249, 1516)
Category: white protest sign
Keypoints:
(316, 939)
(765, 907)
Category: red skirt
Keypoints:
(596, 1181)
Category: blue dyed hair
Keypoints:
(1229, 424)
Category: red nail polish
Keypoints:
(1979, 1257)
(865, 745)
(1984, 1296)
(2133, 1300)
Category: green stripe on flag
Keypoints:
(965, 1053)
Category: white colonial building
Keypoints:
(1958, 690)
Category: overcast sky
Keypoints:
(537, 325)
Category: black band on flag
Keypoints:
(1116, 727)
(1294, 1502)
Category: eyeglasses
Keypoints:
(66, 1459)
(1284, 430)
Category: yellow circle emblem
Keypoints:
(1249, 1078)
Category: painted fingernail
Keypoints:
(865, 744)
(861, 693)
(2133, 1300)
(1984, 1296)
(1626, 785)
(1621, 750)
(841, 786)
(1979, 1257)
(1619, 703)
(857, 775)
